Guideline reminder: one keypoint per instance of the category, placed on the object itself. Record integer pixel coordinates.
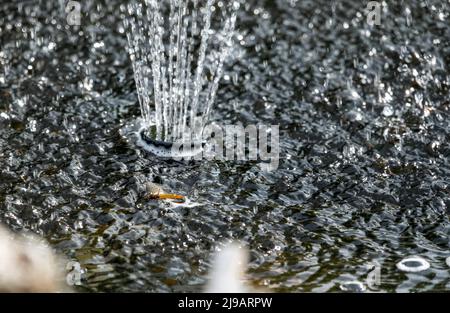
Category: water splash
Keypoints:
(178, 61)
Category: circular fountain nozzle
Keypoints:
(167, 149)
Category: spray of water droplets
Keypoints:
(178, 59)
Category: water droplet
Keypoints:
(388, 111)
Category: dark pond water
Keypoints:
(364, 175)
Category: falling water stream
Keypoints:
(177, 68)
(363, 183)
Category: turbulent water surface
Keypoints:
(364, 174)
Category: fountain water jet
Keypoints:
(179, 60)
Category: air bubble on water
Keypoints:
(413, 264)
(353, 286)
